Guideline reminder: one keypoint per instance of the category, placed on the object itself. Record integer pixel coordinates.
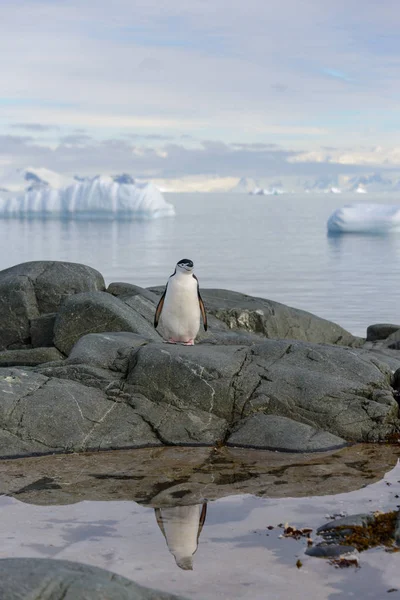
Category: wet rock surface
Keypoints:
(264, 376)
(358, 532)
(47, 579)
(162, 477)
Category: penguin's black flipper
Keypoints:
(202, 519)
(159, 309)
(160, 521)
(201, 304)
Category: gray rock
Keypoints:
(11, 446)
(329, 388)
(31, 289)
(396, 380)
(393, 340)
(88, 375)
(397, 530)
(394, 345)
(382, 355)
(106, 350)
(173, 425)
(117, 391)
(230, 338)
(42, 330)
(128, 290)
(187, 377)
(281, 433)
(340, 390)
(29, 357)
(330, 551)
(48, 579)
(17, 307)
(96, 312)
(271, 319)
(358, 520)
(62, 415)
(53, 281)
(332, 389)
(380, 331)
(16, 384)
(145, 307)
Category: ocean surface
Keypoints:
(276, 247)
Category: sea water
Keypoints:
(276, 247)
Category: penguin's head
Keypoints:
(185, 265)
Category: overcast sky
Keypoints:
(230, 88)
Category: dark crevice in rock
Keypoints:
(156, 432)
(234, 385)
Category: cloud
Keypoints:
(149, 136)
(37, 127)
(75, 139)
(254, 146)
(83, 155)
(241, 73)
(378, 156)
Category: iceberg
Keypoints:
(365, 218)
(97, 198)
(20, 180)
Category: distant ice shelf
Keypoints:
(266, 192)
(365, 218)
(97, 198)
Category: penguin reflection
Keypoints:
(181, 527)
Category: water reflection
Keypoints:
(181, 527)
(107, 509)
(165, 477)
(374, 244)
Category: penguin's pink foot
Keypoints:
(188, 343)
(170, 341)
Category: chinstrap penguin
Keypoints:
(180, 306)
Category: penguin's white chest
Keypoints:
(180, 315)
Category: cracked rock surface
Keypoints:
(292, 396)
(264, 376)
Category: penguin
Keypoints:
(181, 527)
(180, 306)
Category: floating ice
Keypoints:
(97, 198)
(20, 180)
(365, 218)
